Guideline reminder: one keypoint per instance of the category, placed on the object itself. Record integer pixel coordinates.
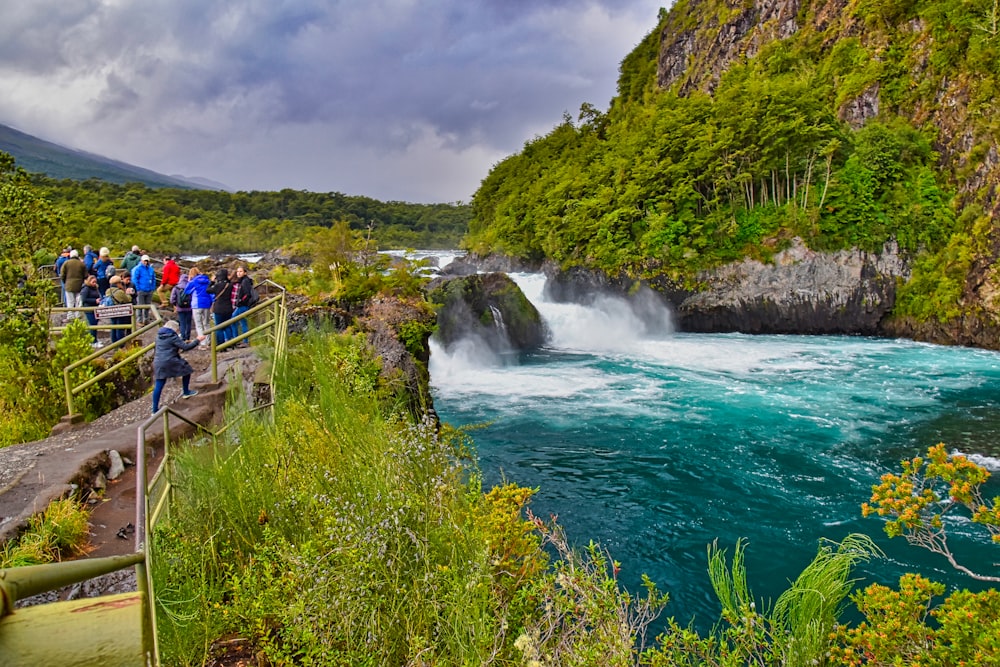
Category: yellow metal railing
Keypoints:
(153, 495)
(72, 390)
(110, 630)
(274, 312)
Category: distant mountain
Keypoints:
(203, 183)
(44, 157)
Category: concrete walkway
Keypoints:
(34, 474)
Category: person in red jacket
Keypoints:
(171, 276)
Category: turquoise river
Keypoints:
(655, 443)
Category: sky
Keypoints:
(399, 100)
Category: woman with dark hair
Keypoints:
(243, 293)
(222, 307)
(90, 296)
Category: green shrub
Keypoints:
(61, 530)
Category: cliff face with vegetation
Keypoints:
(742, 127)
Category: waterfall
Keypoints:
(607, 324)
(499, 323)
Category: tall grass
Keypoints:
(336, 535)
(345, 533)
(63, 529)
(796, 631)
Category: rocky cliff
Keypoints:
(397, 331)
(855, 126)
(701, 39)
(801, 291)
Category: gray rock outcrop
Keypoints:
(488, 306)
(802, 291)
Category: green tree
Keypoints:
(926, 491)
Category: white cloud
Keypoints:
(395, 99)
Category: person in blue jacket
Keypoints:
(201, 302)
(168, 363)
(104, 261)
(89, 259)
(63, 256)
(144, 280)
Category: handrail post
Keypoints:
(215, 358)
(69, 392)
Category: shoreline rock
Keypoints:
(801, 291)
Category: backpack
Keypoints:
(184, 300)
(107, 300)
(254, 298)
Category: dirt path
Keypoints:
(33, 474)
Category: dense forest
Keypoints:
(737, 127)
(210, 221)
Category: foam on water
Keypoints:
(470, 368)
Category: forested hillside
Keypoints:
(209, 221)
(741, 125)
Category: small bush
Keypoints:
(62, 530)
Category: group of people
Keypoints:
(194, 297)
(94, 281)
(197, 298)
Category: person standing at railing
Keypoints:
(201, 301)
(171, 275)
(131, 259)
(144, 280)
(222, 308)
(168, 363)
(104, 262)
(120, 297)
(63, 256)
(242, 295)
(73, 272)
(89, 259)
(90, 297)
(182, 306)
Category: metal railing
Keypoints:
(276, 310)
(113, 630)
(153, 497)
(137, 353)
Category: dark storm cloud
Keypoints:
(381, 75)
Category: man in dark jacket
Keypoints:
(222, 307)
(73, 273)
(168, 363)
